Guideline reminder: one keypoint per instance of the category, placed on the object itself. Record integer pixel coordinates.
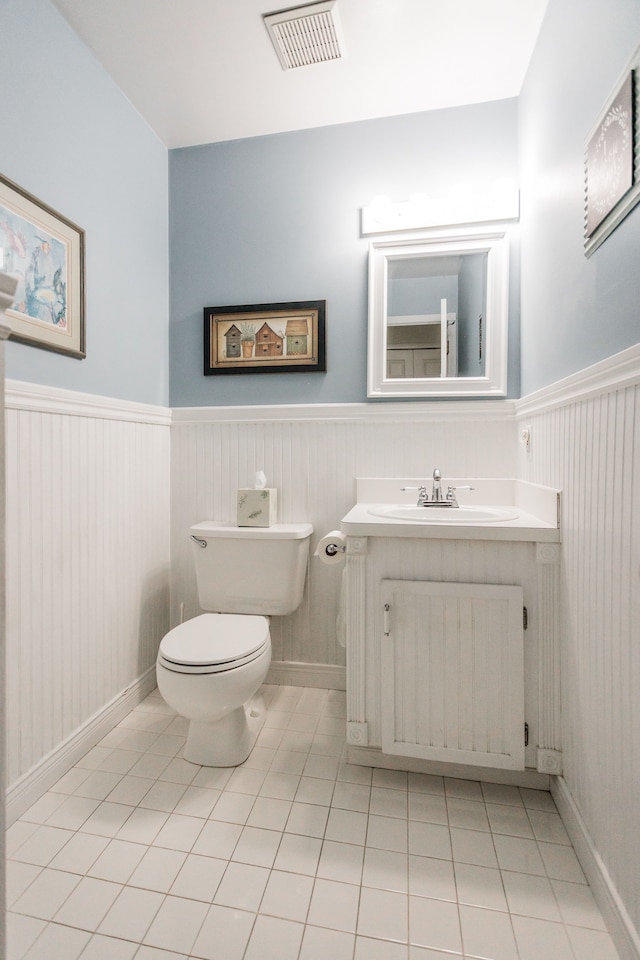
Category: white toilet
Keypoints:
(210, 668)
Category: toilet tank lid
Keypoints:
(278, 531)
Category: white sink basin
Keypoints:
(401, 511)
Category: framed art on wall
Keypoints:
(612, 162)
(265, 338)
(44, 251)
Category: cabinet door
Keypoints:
(453, 672)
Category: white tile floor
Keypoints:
(295, 855)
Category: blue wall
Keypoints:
(71, 138)
(574, 311)
(278, 218)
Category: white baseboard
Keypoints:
(327, 676)
(30, 787)
(619, 923)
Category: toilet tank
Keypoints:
(250, 569)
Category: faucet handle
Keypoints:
(451, 495)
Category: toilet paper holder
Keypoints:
(332, 548)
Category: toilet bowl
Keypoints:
(210, 669)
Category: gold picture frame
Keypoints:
(45, 252)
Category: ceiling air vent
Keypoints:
(305, 35)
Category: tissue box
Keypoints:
(257, 508)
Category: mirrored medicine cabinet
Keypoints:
(438, 314)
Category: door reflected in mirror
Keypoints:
(438, 315)
(435, 311)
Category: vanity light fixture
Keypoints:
(305, 35)
(461, 206)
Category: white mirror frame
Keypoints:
(492, 241)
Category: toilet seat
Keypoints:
(214, 643)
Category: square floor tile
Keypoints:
(179, 832)
(315, 790)
(298, 854)
(80, 853)
(217, 839)
(388, 833)
(473, 846)
(44, 897)
(281, 786)
(158, 869)
(318, 943)
(386, 870)
(429, 840)
(43, 808)
(199, 878)
(334, 905)
(269, 813)
(509, 820)
(224, 934)
(41, 845)
(118, 861)
(257, 846)
(274, 939)
(430, 877)
(531, 896)
(386, 802)
(383, 914)
(87, 904)
(467, 813)
(542, 938)
(101, 947)
(242, 886)
(176, 924)
(287, 895)
(19, 876)
(308, 819)
(57, 942)
(488, 933)
(130, 916)
(352, 796)
(143, 826)
(341, 861)
(429, 807)
(591, 944)
(434, 923)
(480, 887)
(548, 827)
(518, 854)
(561, 863)
(577, 905)
(426, 783)
(348, 826)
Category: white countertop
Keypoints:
(537, 508)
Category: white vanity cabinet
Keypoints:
(452, 663)
(452, 666)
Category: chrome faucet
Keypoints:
(437, 500)
(436, 491)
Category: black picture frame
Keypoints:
(288, 337)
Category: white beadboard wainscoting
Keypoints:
(312, 455)
(87, 573)
(585, 439)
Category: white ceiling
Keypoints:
(201, 71)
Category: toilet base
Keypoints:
(229, 741)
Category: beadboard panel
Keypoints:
(87, 564)
(312, 458)
(585, 439)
